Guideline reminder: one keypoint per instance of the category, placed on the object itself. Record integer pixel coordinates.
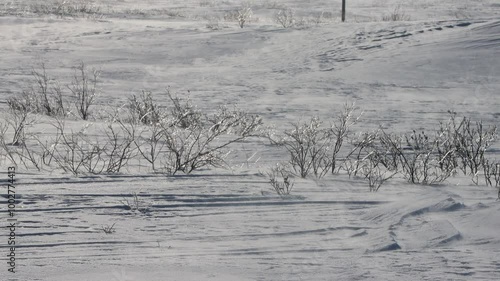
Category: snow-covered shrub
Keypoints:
(78, 152)
(281, 179)
(398, 14)
(308, 145)
(285, 17)
(339, 132)
(144, 109)
(376, 174)
(242, 16)
(44, 96)
(184, 112)
(73, 151)
(119, 145)
(463, 144)
(84, 89)
(323, 17)
(492, 173)
(204, 143)
(150, 144)
(414, 155)
(213, 24)
(362, 149)
(67, 8)
(314, 148)
(19, 150)
(183, 139)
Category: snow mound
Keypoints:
(424, 227)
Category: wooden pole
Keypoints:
(343, 10)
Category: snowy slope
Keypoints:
(227, 224)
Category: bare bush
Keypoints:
(184, 112)
(362, 148)
(68, 8)
(242, 16)
(319, 18)
(78, 153)
(119, 148)
(18, 121)
(465, 143)
(144, 109)
(44, 97)
(308, 147)
(388, 149)
(313, 148)
(18, 150)
(84, 89)
(285, 17)
(472, 141)
(340, 130)
(376, 174)
(6, 149)
(398, 14)
(414, 155)
(281, 180)
(204, 143)
(72, 151)
(152, 146)
(492, 173)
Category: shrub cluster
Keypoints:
(420, 158)
(46, 95)
(178, 137)
(172, 138)
(314, 148)
(398, 14)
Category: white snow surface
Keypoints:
(221, 224)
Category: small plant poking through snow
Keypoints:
(108, 229)
(135, 204)
(281, 179)
(213, 24)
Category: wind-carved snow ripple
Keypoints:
(293, 232)
(424, 228)
(344, 51)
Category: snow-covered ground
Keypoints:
(227, 224)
